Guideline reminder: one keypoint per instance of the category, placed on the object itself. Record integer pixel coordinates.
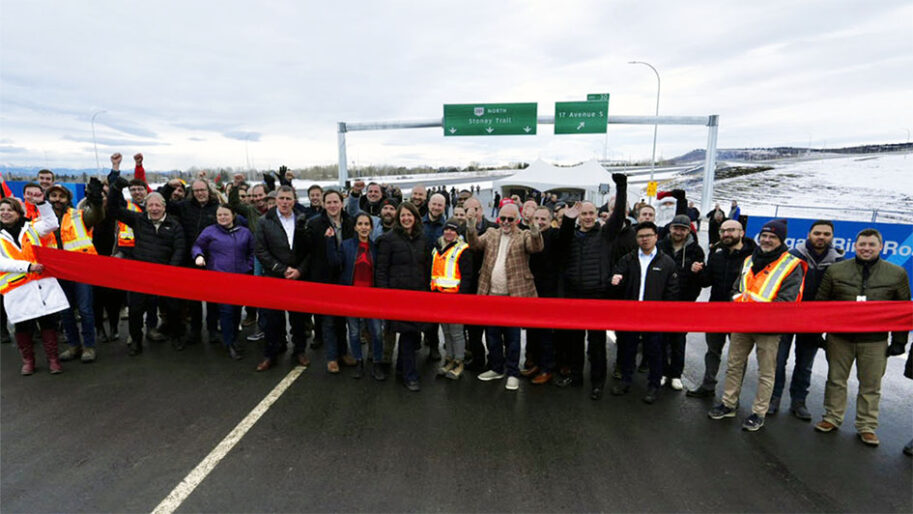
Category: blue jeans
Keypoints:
(229, 317)
(806, 349)
(497, 338)
(540, 348)
(80, 297)
(374, 330)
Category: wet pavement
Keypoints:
(119, 434)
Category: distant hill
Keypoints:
(780, 152)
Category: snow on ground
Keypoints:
(846, 187)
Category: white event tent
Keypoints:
(581, 181)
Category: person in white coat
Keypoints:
(30, 297)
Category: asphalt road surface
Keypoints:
(120, 434)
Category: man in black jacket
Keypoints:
(337, 221)
(586, 272)
(279, 243)
(681, 245)
(196, 213)
(160, 240)
(723, 268)
(540, 342)
(645, 274)
(819, 252)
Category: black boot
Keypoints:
(359, 370)
(377, 371)
(234, 352)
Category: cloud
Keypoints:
(242, 135)
(113, 141)
(8, 149)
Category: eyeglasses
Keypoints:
(507, 219)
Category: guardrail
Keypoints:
(898, 215)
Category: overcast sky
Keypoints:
(197, 83)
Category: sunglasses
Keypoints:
(507, 219)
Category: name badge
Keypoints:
(860, 298)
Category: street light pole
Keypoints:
(653, 166)
(94, 143)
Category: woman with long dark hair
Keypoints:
(403, 263)
(356, 258)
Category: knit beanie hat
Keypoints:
(452, 224)
(776, 227)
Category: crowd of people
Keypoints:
(440, 240)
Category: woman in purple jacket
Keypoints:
(228, 247)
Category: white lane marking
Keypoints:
(199, 473)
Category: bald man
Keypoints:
(419, 195)
(723, 267)
(505, 272)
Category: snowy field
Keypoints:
(844, 187)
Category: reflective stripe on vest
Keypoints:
(445, 270)
(125, 236)
(30, 239)
(74, 235)
(765, 286)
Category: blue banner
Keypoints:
(898, 238)
(78, 190)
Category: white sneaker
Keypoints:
(491, 375)
(513, 383)
(663, 381)
(677, 384)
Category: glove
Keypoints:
(678, 194)
(895, 348)
(282, 180)
(270, 181)
(94, 191)
(619, 178)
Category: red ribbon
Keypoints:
(394, 304)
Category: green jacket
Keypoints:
(248, 211)
(843, 282)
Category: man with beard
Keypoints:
(74, 234)
(867, 278)
(384, 222)
(819, 253)
(370, 202)
(682, 246)
(419, 195)
(433, 224)
(723, 267)
(769, 274)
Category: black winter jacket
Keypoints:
(688, 284)
(662, 279)
(476, 256)
(402, 263)
(194, 217)
(164, 245)
(816, 268)
(315, 245)
(544, 265)
(723, 268)
(272, 249)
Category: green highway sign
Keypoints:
(514, 119)
(597, 97)
(581, 117)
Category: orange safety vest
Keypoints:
(445, 269)
(764, 286)
(125, 237)
(73, 233)
(30, 239)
